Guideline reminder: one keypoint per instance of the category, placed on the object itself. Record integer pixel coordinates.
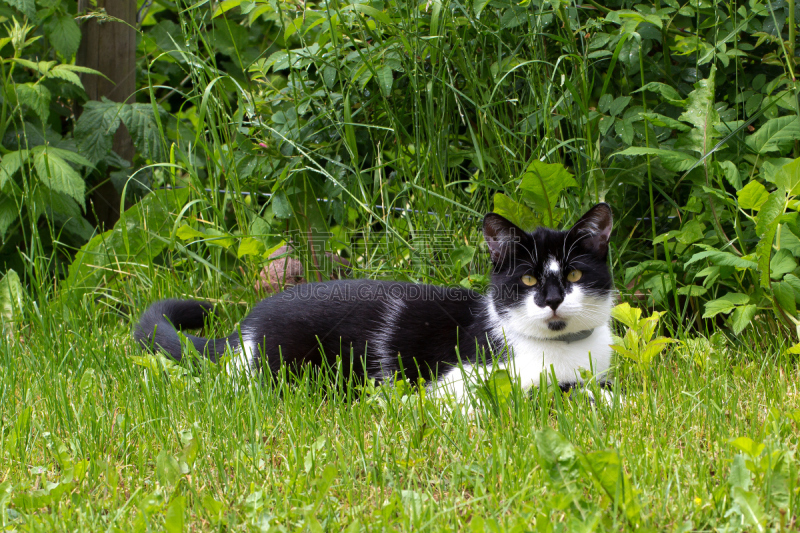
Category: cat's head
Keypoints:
(549, 283)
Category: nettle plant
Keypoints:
(735, 253)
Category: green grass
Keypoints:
(93, 440)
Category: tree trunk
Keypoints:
(110, 47)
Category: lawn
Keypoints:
(96, 437)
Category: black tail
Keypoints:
(156, 328)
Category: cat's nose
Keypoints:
(553, 298)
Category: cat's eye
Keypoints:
(574, 276)
(529, 280)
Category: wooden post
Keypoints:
(110, 47)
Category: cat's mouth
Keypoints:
(556, 324)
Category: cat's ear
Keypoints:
(594, 228)
(500, 235)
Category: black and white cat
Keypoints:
(547, 310)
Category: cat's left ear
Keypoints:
(594, 228)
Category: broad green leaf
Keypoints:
(369, 11)
(280, 205)
(750, 507)
(10, 300)
(225, 6)
(141, 123)
(462, 256)
(739, 475)
(777, 135)
(723, 259)
(554, 451)
(627, 315)
(764, 252)
(62, 73)
(292, 27)
(667, 91)
(516, 212)
(385, 80)
(782, 263)
(168, 471)
(671, 159)
(173, 519)
(618, 105)
(653, 348)
(731, 174)
(788, 178)
(250, 246)
(785, 297)
(212, 507)
(28, 7)
(58, 175)
(188, 233)
(770, 210)
(36, 96)
(726, 304)
(752, 196)
(742, 316)
(543, 183)
(692, 290)
(663, 121)
(701, 112)
(215, 237)
(129, 241)
(96, 126)
(10, 164)
(9, 212)
(477, 7)
(64, 34)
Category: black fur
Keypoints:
(381, 327)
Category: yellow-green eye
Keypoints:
(529, 280)
(574, 276)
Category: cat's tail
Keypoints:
(157, 328)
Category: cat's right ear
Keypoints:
(500, 235)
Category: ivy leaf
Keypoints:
(752, 196)
(57, 175)
(777, 135)
(64, 34)
(543, 183)
(141, 123)
(36, 96)
(670, 159)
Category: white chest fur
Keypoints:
(531, 359)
